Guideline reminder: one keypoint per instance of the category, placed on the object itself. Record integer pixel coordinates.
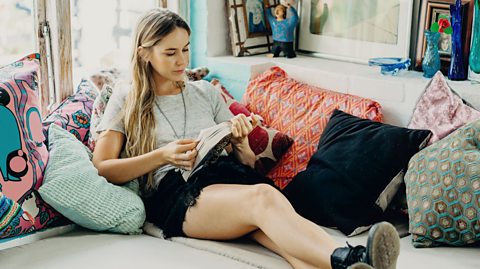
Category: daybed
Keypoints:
(83, 248)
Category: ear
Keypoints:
(143, 53)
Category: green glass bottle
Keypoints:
(474, 58)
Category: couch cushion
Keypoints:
(23, 155)
(268, 144)
(441, 110)
(301, 111)
(354, 174)
(443, 190)
(73, 187)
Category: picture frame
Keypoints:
(337, 30)
(250, 32)
(429, 12)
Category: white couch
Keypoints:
(81, 248)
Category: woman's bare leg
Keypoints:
(263, 239)
(226, 211)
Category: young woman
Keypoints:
(155, 122)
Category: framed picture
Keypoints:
(430, 12)
(355, 30)
(250, 32)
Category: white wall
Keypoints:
(218, 41)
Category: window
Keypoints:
(103, 43)
(17, 38)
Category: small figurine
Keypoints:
(282, 30)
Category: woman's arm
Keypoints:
(120, 171)
(241, 127)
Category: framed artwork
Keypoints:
(250, 32)
(355, 30)
(429, 13)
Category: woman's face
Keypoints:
(170, 56)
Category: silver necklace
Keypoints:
(184, 117)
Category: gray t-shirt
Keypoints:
(204, 108)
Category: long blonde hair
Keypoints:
(139, 117)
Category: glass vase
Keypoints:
(457, 63)
(474, 58)
(431, 59)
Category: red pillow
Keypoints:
(268, 144)
(302, 112)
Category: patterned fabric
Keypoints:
(10, 214)
(99, 106)
(74, 113)
(73, 187)
(443, 190)
(197, 73)
(268, 144)
(23, 155)
(440, 110)
(300, 111)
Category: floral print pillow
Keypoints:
(74, 113)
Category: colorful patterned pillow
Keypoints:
(301, 111)
(74, 113)
(99, 106)
(440, 110)
(443, 190)
(268, 144)
(11, 214)
(23, 155)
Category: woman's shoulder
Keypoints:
(200, 87)
(121, 90)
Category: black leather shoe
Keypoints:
(383, 248)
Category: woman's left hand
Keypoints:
(241, 127)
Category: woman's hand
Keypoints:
(241, 127)
(180, 153)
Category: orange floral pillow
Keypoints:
(301, 111)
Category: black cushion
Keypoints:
(355, 161)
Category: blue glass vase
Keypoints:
(457, 63)
(431, 59)
(475, 48)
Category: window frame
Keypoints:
(53, 40)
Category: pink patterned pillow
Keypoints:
(440, 110)
(268, 144)
(23, 155)
(74, 113)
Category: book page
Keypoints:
(211, 143)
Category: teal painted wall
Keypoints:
(233, 76)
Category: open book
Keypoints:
(212, 142)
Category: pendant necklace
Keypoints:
(184, 117)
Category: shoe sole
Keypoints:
(360, 265)
(383, 246)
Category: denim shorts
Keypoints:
(167, 205)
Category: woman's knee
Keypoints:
(265, 197)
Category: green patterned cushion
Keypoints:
(73, 187)
(443, 190)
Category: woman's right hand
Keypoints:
(180, 153)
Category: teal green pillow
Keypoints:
(73, 187)
(443, 190)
